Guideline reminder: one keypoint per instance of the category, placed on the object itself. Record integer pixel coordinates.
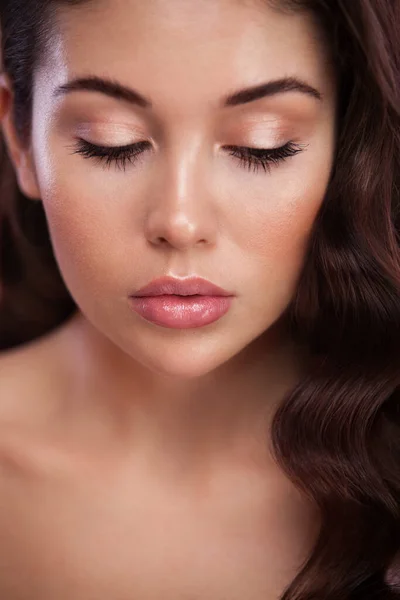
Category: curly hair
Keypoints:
(337, 433)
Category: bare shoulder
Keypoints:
(43, 426)
(25, 379)
(31, 375)
(30, 378)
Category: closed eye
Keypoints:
(249, 158)
(254, 158)
(118, 155)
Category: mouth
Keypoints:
(181, 312)
(181, 303)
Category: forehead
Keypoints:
(191, 49)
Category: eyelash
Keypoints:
(250, 158)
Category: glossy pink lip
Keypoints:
(181, 304)
(181, 287)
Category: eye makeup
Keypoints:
(250, 158)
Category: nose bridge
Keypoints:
(181, 211)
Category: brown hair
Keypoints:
(337, 434)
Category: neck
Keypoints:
(223, 414)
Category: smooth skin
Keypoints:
(135, 458)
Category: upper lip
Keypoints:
(181, 287)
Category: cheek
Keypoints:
(280, 223)
(84, 224)
(86, 233)
(280, 235)
(275, 232)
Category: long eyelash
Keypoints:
(250, 158)
(264, 157)
(120, 155)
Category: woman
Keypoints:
(238, 435)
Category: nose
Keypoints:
(182, 214)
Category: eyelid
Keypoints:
(261, 135)
(89, 131)
(258, 136)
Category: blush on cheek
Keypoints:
(283, 230)
(79, 247)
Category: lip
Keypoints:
(166, 286)
(181, 303)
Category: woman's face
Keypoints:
(185, 205)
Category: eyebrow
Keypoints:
(113, 88)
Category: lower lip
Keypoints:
(181, 312)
